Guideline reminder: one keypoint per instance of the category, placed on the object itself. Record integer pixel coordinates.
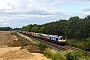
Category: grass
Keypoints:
(85, 45)
(73, 42)
(28, 39)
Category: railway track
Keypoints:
(59, 47)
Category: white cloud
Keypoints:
(38, 10)
(58, 2)
(33, 6)
(36, 7)
(86, 11)
(3, 22)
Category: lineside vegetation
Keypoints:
(55, 54)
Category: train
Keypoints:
(51, 38)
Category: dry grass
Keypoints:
(29, 39)
(14, 37)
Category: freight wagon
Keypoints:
(38, 35)
(53, 38)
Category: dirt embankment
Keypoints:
(13, 49)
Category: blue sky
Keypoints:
(18, 13)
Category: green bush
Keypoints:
(80, 44)
(74, 55)
(88, 43)
(42, 47)
(73, 42)
(55, 55)
(85, 44)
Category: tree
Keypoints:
(35, 28)
(74, 18)
(88, 17)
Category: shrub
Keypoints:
(42, 47)
(88, 43)
(55, 55)
(73, 55)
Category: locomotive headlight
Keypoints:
(62, 40)
(59, 40)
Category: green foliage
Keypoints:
(74, 28)
(73, 55)
(73, 42)
(87, 18)
(42, 47)
(5, 28)
(34, 29)
(80, 44)
(41, 30)
(55, 55)
(88, 43)
(74, 18)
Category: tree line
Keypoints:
(74, 28)
(5, 28)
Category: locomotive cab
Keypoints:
(62, 40)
